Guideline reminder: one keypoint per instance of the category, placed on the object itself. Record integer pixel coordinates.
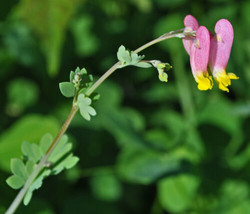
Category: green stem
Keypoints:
(166, 36)
(71, 115)
(40, 166)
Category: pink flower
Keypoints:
(220, 50)
(206, 48)
(199, 55)
(191, 25)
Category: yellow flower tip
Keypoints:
(222, 87)
(224, 80)
(205, 82)
(233, 76)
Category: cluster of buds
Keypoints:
(77, 79)
(209, 50)
(162, 68)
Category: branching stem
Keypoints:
(72, 113)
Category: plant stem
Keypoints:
(40, 166)
(116, 65)
(159, 39)
(71, 115)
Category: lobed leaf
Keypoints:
(127, 57)
(85, 109)
(32, 151)
(18, 168)
(58, 161)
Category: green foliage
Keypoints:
(86, 41)
(176, 193)
(85, 107)
(162, 68)
(127, 58)
(67, 89)
(105, 186)
(53, 21)
(60, 159)
(80, 81)
(23, 130)
(22, 93)
(146, 166)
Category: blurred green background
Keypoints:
(153, 147)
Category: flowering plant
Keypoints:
(209, 54)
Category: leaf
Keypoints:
(67, 89)
(176, 193)
(143, 65)
(35, 185)
(18, 168)
(123, 129)
(30, 166)
(21, 93)
(105, 186)
(219, 111)
(68, 162)
(123, 55)
(32, 151)
(86, 41)
(145, 166)
(85, 109)
(29, 128)
(127, 57)
(45, 142)
(61, 149)
(15, 182)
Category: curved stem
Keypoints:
(71, 115)
(159, 39)
(40, 166)
(102, 78)
(116, 65)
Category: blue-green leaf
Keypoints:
(127, 57)
(31, 151)
(143, 65)
(15, 182)
(35, 185)
(67, 163)
(67, 89)
(45, 142)
(23, 130)
(18, 168)
(30, 166)
(61, 149)
(85, 109)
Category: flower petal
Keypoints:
(199, 55)
(220, 49)
(191, 24)
(221, 44)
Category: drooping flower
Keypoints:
(220, 49)
(199, 55)
(191, 24)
